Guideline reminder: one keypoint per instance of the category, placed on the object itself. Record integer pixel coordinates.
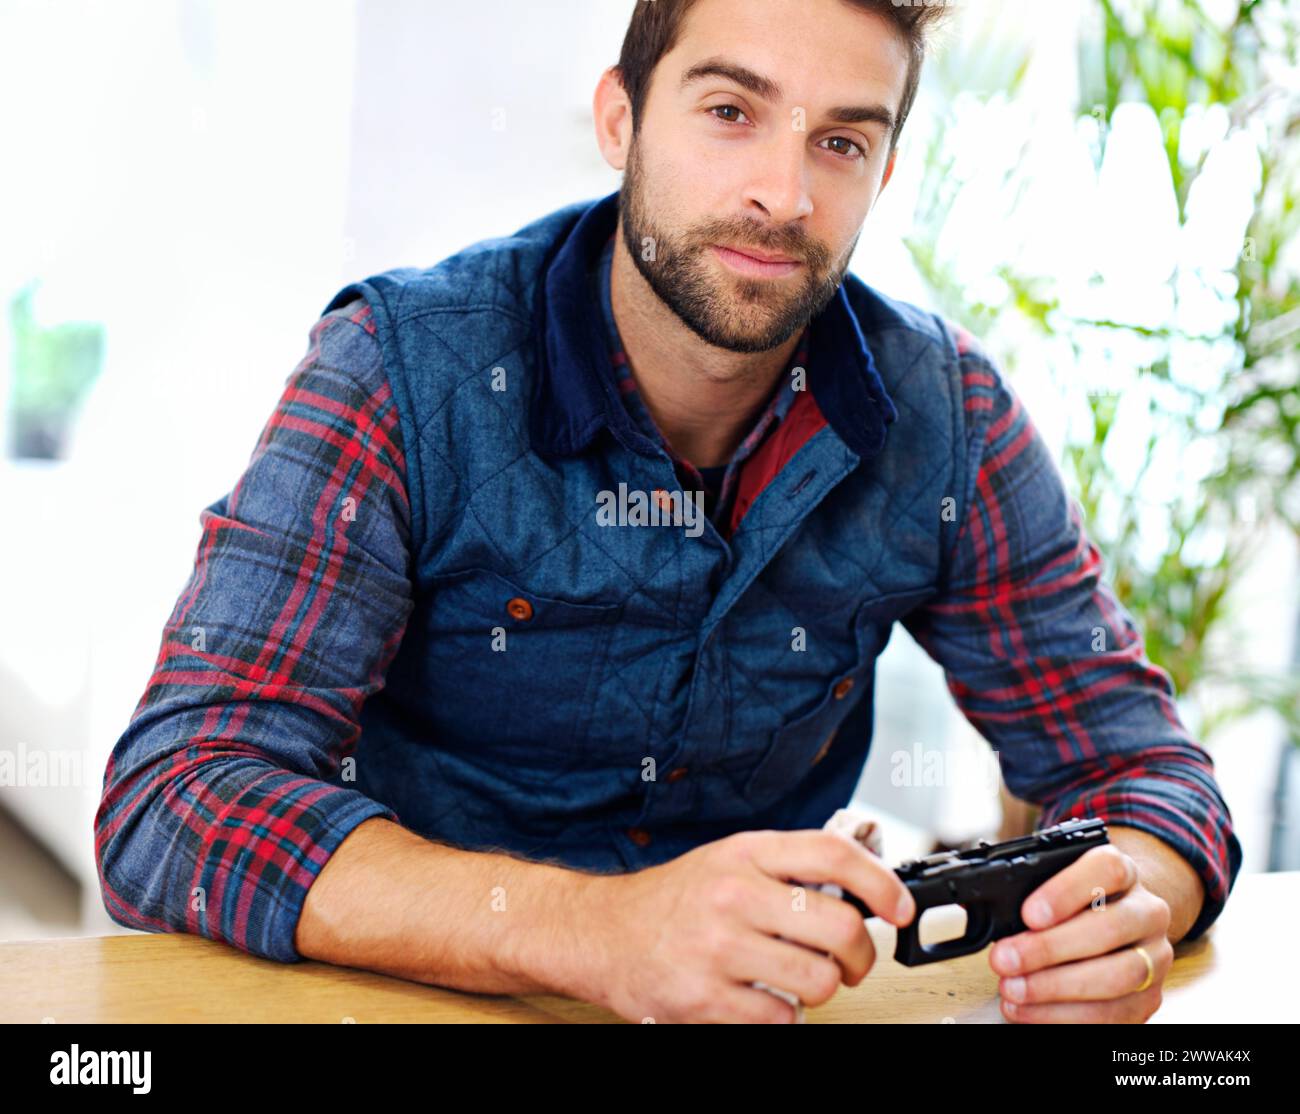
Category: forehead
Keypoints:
(815, 52)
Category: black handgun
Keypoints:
(990, 881)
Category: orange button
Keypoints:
(843, 688)
(639, 836)
(520, 609)
(676, 775)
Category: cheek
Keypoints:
(695, 174)
(683, 185)
(875, 178)
(841, 242)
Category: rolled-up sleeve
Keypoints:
(228, 791)
(1049, 667)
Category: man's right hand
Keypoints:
(684, 940)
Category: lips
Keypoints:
(752, 266)
(761, 256)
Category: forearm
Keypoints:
(1166, 874)
(389, 901)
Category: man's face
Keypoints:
(741, 146)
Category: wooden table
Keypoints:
(1243, 970)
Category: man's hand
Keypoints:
(1077, 962)
(683, 941)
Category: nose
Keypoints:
(778, 184)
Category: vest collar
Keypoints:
(575, 397)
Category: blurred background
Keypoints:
(1106, 192)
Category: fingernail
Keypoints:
(1010, 1007)
(906, 907)
(1014, 989)
(1042, 912)
(1009, 957)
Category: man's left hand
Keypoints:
(1077, 962)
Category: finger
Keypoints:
(1104, 870)
(1092, 932)
(813, 976)
(818, 922)
(745, 1005)
(1115, 975)
(821, 856)
(1130, 1010)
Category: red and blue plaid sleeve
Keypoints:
(227, 792)
(1046, 663)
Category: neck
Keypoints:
(704, 399)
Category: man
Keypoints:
(537, 641)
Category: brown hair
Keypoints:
(656, 24)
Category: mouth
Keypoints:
(750, 261)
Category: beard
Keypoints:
(727, 311)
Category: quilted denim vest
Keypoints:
(609, 695)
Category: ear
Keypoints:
(889, 170)
(612, 113)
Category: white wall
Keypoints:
(185, 185)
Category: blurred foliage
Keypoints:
(52, 368)
(1244, 415)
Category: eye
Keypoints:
(862, 152)
(724, 108)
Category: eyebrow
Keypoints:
(766, 89)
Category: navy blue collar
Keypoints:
(575, 396)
